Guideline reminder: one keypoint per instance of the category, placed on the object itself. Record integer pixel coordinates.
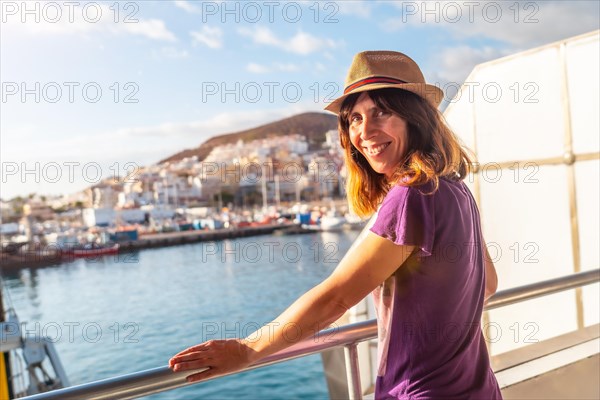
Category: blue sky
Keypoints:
(162, 74)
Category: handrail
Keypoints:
(543, 288)
(160, 379)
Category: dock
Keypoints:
(51, 255)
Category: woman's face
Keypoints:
(378, 134)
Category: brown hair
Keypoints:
(433, 151)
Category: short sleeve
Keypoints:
(406, 217)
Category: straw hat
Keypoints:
(372, 70)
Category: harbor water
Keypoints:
(115, 315)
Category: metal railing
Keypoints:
(160, 379)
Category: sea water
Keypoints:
(115, 315)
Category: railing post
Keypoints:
(352, 372)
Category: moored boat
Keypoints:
(92, 250)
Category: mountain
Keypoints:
(313, 125)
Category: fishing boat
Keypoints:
(331, 221)
(92, 250)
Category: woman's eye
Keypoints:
(354, 119)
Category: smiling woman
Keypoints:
(405, 163)
(402, 106)
(400, 136)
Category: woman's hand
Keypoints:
(219, 356)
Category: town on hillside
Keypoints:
(260, 185)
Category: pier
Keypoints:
(51, 254)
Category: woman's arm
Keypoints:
(364, 267)
(491, 278)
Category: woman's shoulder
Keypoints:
(400, 194)
(428, 190)
(398, 191)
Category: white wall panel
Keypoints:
(526, 218)
(583, 75)
(525, 125)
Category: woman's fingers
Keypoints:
(193, 364)
(198, 347)
(198, 359)
(200, 375)
(192, 352)
(191, 356)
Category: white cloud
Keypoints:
(152, 28)
(211, 37)
(289, 67)
(80, 23)
(360, 9)
(305, 43)
(301, 43)
(186, 6)
(454, 64)
(171, 52)
(257, 68)
(261, 35)
(521, 24)
(280, 67)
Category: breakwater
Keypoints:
(40, 256)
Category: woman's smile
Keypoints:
(375, 150)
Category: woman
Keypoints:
(424, 258)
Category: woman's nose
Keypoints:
(367, 129)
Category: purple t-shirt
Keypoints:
(429, 311)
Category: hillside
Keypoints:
(312, 125)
